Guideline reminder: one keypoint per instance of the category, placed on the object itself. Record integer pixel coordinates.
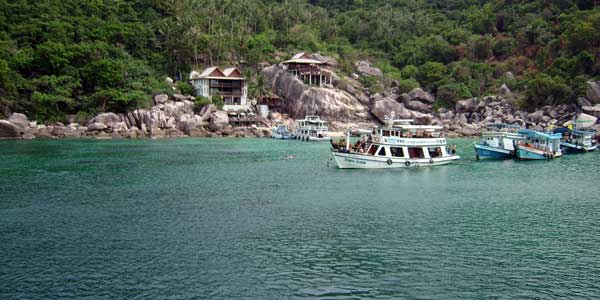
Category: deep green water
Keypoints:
(234, 219)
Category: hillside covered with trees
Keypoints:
(83, 57)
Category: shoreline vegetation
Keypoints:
(73, 69)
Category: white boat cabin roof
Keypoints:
(419, 127)
(312, 119)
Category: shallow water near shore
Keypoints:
(236, 219)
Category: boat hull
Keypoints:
(572, 148)
(362, 161)
(281, 137)
(313, 138)
(527, 153)
(484, 151)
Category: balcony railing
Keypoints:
(225, 84)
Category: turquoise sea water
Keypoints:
(235, 219)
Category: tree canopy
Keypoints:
(69, 56)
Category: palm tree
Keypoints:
(259, 88)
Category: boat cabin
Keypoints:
(544, 141)
(501, 136)
(311, 126)
(401, 139)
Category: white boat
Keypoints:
(281, 132)
(498, 141)
(398, 145)
(312, 128)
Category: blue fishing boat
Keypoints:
(577, 141)
(498, 141)
(538, 145)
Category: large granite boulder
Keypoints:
(161, 99)
(219, 120)
(422, 119)
(365, 68)
(593, 91)
(585, 121)
(469, 131)
(325, 59)
(535, 116)
(383, 109)
(302, 100)
(109, 119)
(468, 105)
(418, 106)
(206, 111)
(19, 120)
(9, 130)
(96, 126)
(419, 94)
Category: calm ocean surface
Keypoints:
(234, 219)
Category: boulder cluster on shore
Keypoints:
(172, 116)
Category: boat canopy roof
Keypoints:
(501, 126)
(561, 130)
(361, 130)
(538, 134)
(312, 119)
(590, 132)
(419, 127)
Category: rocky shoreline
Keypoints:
(344, 104)
(174, 117)
(170, 117)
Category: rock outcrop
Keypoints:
(302, 100)
(19, 120)
(9, 130)
(593, 91)
(585, 121)
(383, 109)
(468, 105)
(364, 67)
(419, 94)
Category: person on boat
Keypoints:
(453, 149)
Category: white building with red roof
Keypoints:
(229, 83)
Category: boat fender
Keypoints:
(389, 161)
(546, 155)
(431, 160)
(407, 163)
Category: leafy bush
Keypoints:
(407, 85)
(449, 94)
(201, 101)
(185, 88)
(408, 72)
(368, 81)
(504, 46)
(480, 47)
(544, 89)
(217, 100)
(431, 72)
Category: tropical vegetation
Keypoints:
(70, 56)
